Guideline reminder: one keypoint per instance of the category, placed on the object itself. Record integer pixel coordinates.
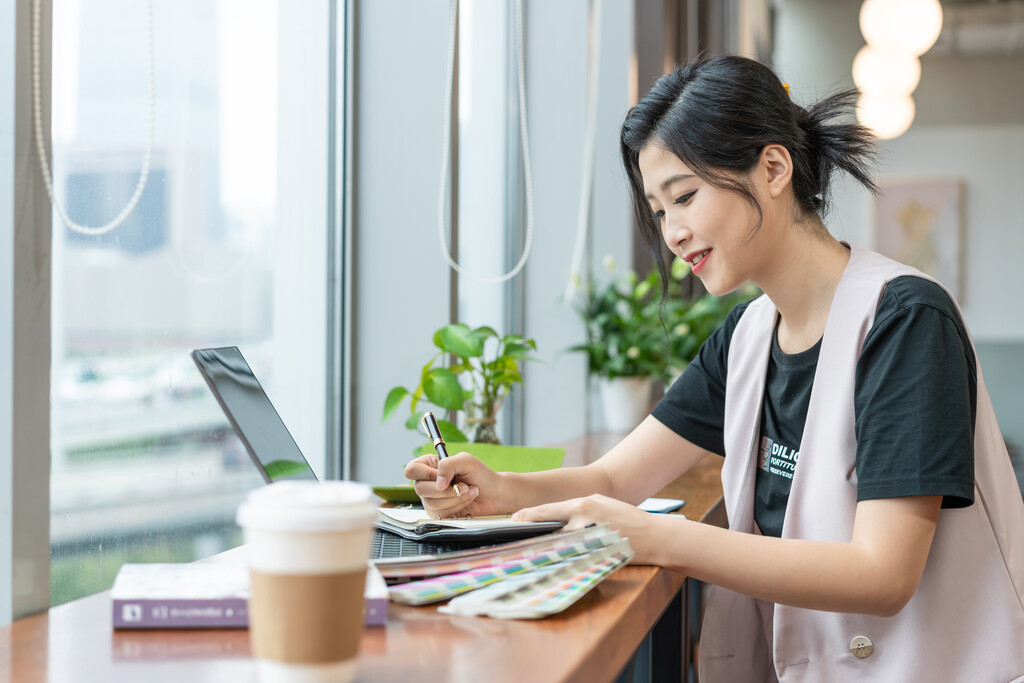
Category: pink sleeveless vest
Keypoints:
(966, 620)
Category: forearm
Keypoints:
(637, 467)
(536, 488)
(829, 576)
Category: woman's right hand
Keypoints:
(484, 492)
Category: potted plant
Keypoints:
(635, 340)
(484, 369)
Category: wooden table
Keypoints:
(591, 641)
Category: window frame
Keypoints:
(25, 236)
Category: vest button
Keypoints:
(861, 646)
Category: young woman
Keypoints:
(876, 529)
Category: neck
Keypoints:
(801, 273)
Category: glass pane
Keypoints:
(487, 127)
(226, 247)
(486, 84)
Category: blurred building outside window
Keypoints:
(227, 246)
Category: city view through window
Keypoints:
(145, 466)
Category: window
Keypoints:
(227, 246)
(487, 168)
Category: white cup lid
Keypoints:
(309, 506)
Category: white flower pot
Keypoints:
(625, 402)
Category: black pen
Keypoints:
(434, 432)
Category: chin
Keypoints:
(716, 289)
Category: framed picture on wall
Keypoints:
(919, 222)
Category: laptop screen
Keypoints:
(248, 408)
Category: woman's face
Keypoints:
(706, 226)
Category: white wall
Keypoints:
(401, 290)
(970, 125)
(300, 299)
(555, 394)
(401, 286)
(815, 43)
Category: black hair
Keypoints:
(717, 115)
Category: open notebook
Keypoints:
(415, 524)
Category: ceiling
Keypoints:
(981, 28)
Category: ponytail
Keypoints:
(828, 147)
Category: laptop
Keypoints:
(271, 446)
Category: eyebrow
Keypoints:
(665, 185)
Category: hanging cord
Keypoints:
(589, 142)
(446, 151)
(41, 148)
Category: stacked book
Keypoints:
(526, 579)
(204, 595)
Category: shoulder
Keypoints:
(723, 335)
(909, 292)
(917, 313)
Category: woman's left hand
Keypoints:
(633, 523)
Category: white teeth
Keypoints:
(696, 259)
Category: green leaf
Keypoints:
(680, 268)
(462, 341)
(508, 378)
(394, 398)
(413, 422)
(642, 290)
(278, 469)
(450, 432)
(443, 389)
(517, 351)
(416, 396)
(485, 332)
(430, 364)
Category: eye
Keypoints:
(658, 215)
(685, 199)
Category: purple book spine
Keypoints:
(213, 613)
(375, 611)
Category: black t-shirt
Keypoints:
(915, 397)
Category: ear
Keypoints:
(777, 169)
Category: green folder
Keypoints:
(499, 458)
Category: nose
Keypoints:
(675, 232)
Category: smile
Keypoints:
(697, 258)
(697, 261)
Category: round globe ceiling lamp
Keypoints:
(907, 26)
(882, 72)
(888, 116)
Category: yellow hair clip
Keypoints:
(786, 86)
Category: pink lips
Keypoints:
(697, 267)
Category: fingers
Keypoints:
(442, 472)
(545, 513)
(423, 467)
(576, 513)
(428, 489)
(451, 505)
(433, 477)
(454, 466)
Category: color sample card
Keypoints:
(450, 585)
(552, 591)
(565, 543)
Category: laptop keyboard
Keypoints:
(387, 544)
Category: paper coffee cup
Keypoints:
(308, 544)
